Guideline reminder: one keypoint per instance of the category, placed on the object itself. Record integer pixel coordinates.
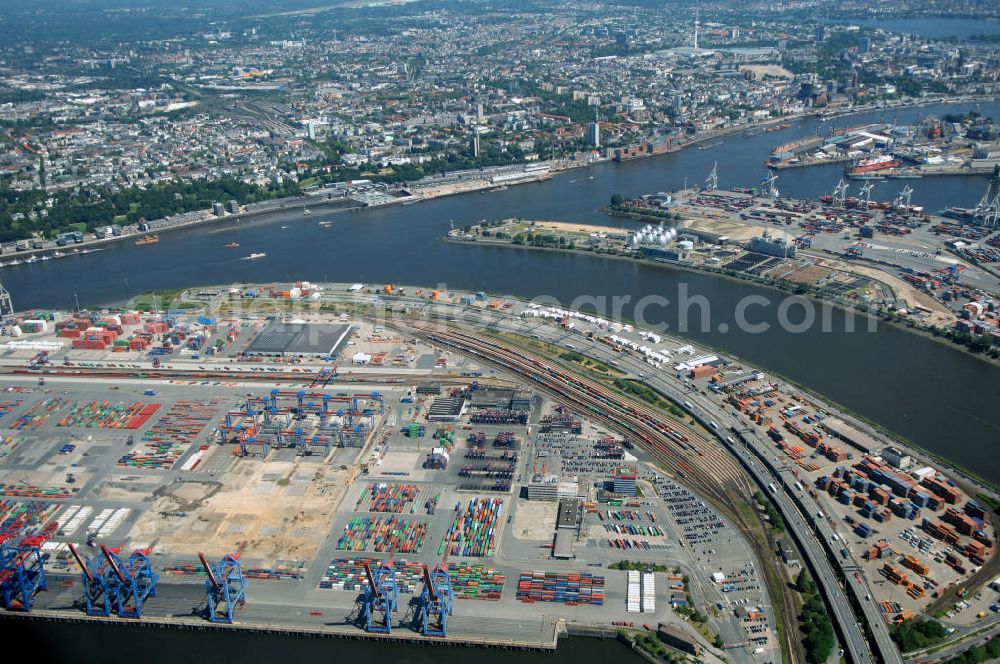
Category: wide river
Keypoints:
(940, 398)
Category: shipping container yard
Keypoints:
(909, 527)
(348, 481)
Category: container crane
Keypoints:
(436, 601)
(96, 583)
(381, 596)
(226, 587)
(22, 575)
(712, 181)
(136, 581)
(113, 585)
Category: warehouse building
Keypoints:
(446, 409)
(677, 639)
(279, 339)
(845, 432)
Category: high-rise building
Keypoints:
(312, 130)
(864, 45)
(820, 32)
(594, 134)
(474, 145)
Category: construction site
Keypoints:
(324, 473)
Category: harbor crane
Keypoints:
(113, 585)
(987, 210)
(225, 586)
(903, 199)
(6, 305)
(712, 181)
(22, 574)
(97, 582)
(866, 195)
(840, 193)
(768, 188)
(436, 601)
(381, 597)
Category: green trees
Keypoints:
(984, 653)
(814, 622)
(918, 634)
(91, 207)
(804, 584)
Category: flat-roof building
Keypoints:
(845, 432)
(279, 339)
(446, 409)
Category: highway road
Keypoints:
(813, 532)
(804, 518)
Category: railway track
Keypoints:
(236, 375)
(676, 446)
(706, 468)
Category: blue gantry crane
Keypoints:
(22, 575)
(436, 601)
(136, 581)
(381, 597)
(113, 585)
(96, 582)
(226, 587)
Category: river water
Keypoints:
(938, 397)
(111, 644)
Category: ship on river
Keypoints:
(870, 167)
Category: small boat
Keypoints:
(326, 224)
(149, 239)
(232, 245)
(31, 259)
(58, 254)
(306, 210)
(253, 256)
(46, 258)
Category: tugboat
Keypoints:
(149, 239)
(232, 245)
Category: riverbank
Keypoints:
(847, 306)
(300, 630)
(319, 200)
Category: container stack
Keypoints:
(475, 582)
(171, 436)
(389, 535)
(38, 414)
(632, 604)
(648, 593)
(571, 589)
(388, 498)
(471, 534)
(106, 415)
(349, 574)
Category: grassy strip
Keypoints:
(773, 515)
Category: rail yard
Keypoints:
(353, 460)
